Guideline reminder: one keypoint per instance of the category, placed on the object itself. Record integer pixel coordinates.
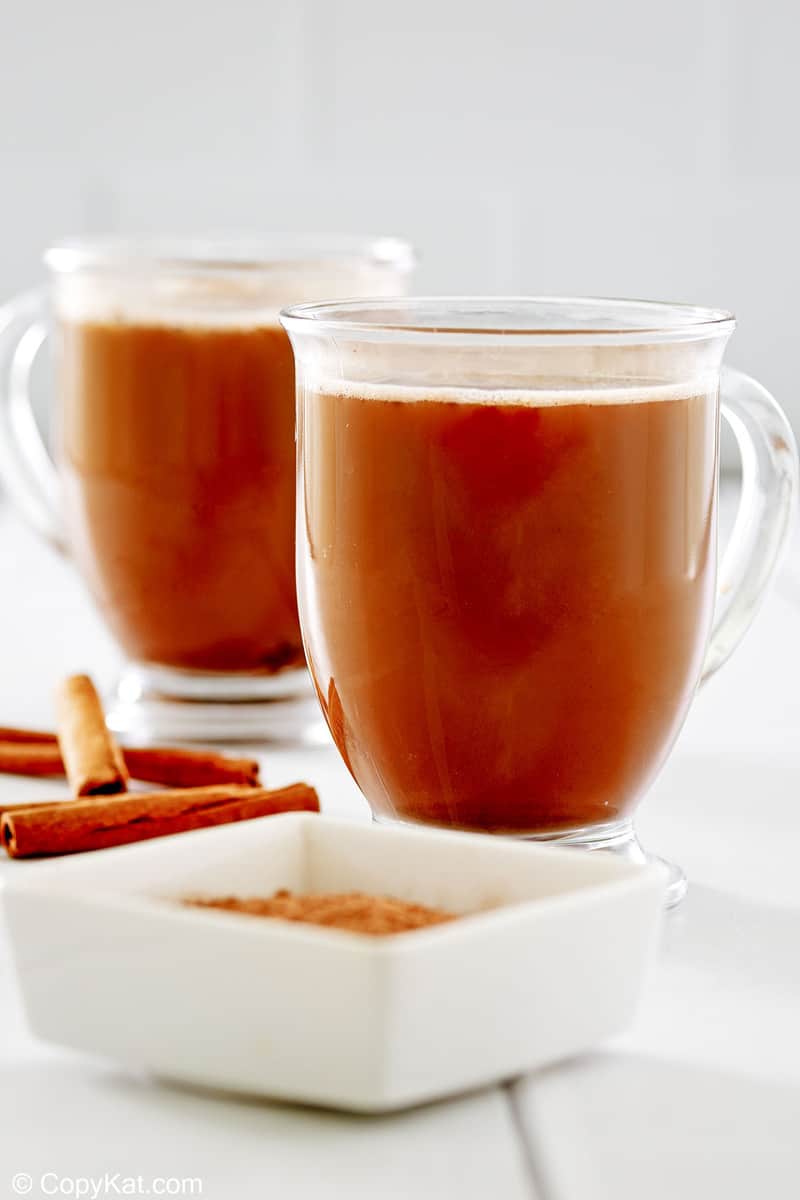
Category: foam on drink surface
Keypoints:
(215, 300)
(567, 393)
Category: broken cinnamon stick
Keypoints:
(96, 823)
(92, 759)
(171, 766)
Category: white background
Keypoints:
(611, 148)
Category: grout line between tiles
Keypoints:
(539, 1189)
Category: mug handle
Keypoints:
(26, 468)
(766, 508)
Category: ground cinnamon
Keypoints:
(96, 823)
(171, 766)
(92, 758)
(359, 912)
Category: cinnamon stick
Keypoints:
(35, 758)
(24, 805)
(97, 823)
(92, 758)
(188, 768)
(171, 766)
(12, 734)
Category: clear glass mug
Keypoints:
(507, 548)
(175, 481)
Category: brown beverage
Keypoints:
(177, 449)
(510, 601)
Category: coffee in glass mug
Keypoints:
(507, 533)
(178, 486)
(174, 441)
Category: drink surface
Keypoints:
(506, 605)
(178, 459)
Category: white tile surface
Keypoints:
(730, 818)
(63, 1114)
(620, 1127)
(703, 1097)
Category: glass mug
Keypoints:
(175, 446)
(507, 548)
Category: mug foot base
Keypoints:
(159, 704)
(620, 839)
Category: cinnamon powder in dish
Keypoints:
(358, 912)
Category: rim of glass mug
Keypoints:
(225, 253)
(523, 320)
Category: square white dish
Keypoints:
(109, 963)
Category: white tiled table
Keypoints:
(701, 1100)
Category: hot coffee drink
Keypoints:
(178, 457)
(506, 548)
(173, 420)
(509, 596)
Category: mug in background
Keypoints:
(507, 548)
(174, 435)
